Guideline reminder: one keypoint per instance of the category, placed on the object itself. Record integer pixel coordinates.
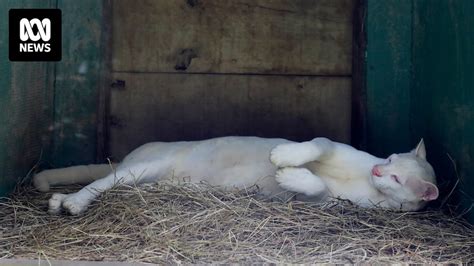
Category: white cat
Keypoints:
(318, 169)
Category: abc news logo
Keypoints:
(27, 33)
(35, 34)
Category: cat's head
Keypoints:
(407, 179)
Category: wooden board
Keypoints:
(171, 107)
(442, 96)
(310, 37)
(389, 73)
(77, 82)
(26, 96)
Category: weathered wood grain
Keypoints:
(77, 81)
(26, 96)
(171, 107)
(310, 37)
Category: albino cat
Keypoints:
(318, 169)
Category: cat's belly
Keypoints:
(238, 162)
(239, 176)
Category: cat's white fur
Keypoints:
(317, 169)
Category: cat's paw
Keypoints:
(292, 154)
(300, 180)
(75, 203)
(55, 203)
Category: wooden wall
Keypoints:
(194, 69)
(78, 84)
(442, 95)
(49, 111)
(420, 85)
(26, 97)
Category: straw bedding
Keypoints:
(198, 223)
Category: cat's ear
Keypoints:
(420, 150)
(424, 190)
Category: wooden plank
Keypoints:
(389, 72)
(310, 37)
(442, 95)
(359, 82)
(25, 106)
(77, 84)
(171, 107)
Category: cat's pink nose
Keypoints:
(376, 171)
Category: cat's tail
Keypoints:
(81, 174)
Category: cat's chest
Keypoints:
(351, 183)
(340, 173)
(353, 190)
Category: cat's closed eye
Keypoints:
(395, 178)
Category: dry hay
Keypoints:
(198, 223)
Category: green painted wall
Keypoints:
(420, 83)
(388, 75)
(443, 90)
(48, 111)
(77, 81)
(25, 105)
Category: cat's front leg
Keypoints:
(74, 203)
(300, 180)
(297, 154)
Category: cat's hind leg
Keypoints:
(76, 203)
(300, 180)
(297, 154)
